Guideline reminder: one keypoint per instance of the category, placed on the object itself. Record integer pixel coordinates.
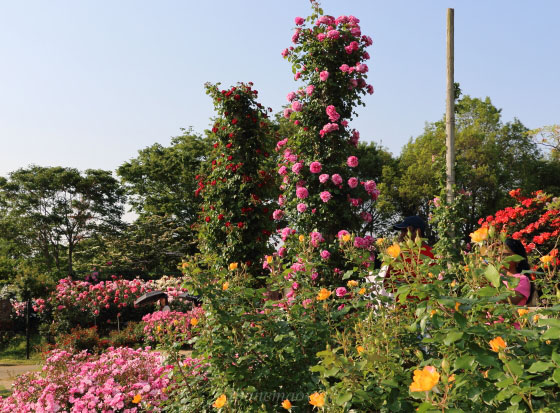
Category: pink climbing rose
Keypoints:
(302, 192)
(315, 167)
(352, 161)
(325, 196)
(332, 113)
(324, 75)
(353, 182)
(337, 179)
(323, 178)
(301, 207)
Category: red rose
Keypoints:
(240, 225)
(207, 219)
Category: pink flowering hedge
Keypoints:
(119, 380)
(163, 327)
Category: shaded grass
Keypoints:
(14, 351)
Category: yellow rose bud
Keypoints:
(287, 405)
(352, 283)
(225, 286)
(301, 238)
(362, 291)
(360, 349)
(233, 266)
(522, 311)
(497, 344)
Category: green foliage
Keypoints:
(47, 213)
(236, 184)
(492, 158)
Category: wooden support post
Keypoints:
(450, 109)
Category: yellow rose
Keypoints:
(457, 305)
(225, 286)
(287, 405)
(546, 259)
(269, 258)
(352, 283)
(346, 238)
(498, 344)
(522, 311)
(220, 402)
(424, 380)
(233, 266)
(137, 399)
(379, 241)
(323, 294)
(360, 349)
(394, 250)
(317, 399)
(194, 321)
(362, 291)
(301, 238)
(479, 235)
(453, 283)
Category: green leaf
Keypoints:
(556, 357)
(452, 337)
(552, 333)
(464, 362)
(460, 319)
(331, 372)
(540, 366)
(343, 398)
(423, 408)
(347, 274)
(486, 292)
(492, 275)
(504, 383)
(515, 367)
(556, 375)
(552, 322)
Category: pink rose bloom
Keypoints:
(370, 89)
(301, 207)
(296, 168)
(366, 216)
(352, 161)
(355, 31)
(344, 123)
(283, 170)
(337, 179)
(341, 292)
(297, 75)
(370, 186)
(281, 251)
(367, 40)
(325, 254)
(309, 90)
(332, 113)
(342, 233)
(285, 52)
(323, 178)
(299, 21)
(333, 34)
(315, 167)
(325, 196)
(316, 238)
(329, 127)
(278, 214)
(324, 75)
(321, 37)
(302, 193)
(295, 286)
(314, 276)
(353, 83)
(344, 68)
(355, 202)
(291, 96)
(297, 106)
(353, 182)
(307, 302)
(295, 37)
(287, 112)
(326, 20)
(366, 55)
(341, 20)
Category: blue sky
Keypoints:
(87, 84)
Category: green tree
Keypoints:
(48, 212)
(161, 180)
(492, 158)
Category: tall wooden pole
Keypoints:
(450, 109)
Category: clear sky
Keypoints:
(88, 83)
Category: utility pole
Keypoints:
(450, 109)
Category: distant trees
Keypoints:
(46, 213)
(492, 158)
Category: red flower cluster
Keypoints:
(533, 220)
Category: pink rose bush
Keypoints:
(170, 326)
(119, 380)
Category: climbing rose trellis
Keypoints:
(320, 189)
